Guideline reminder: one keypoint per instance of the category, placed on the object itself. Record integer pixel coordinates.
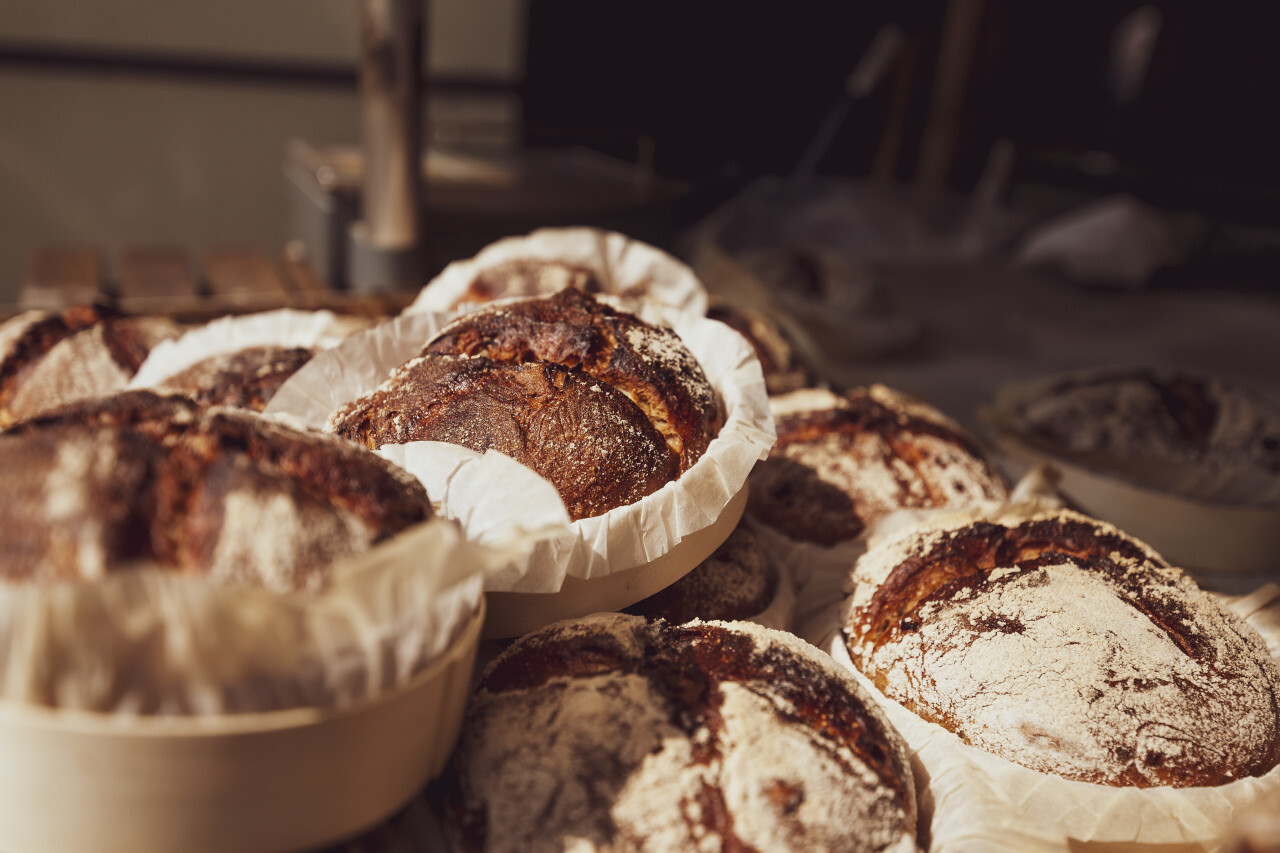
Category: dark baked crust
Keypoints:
(647, 363)
(528, 277)
(585, 437)
(111, 339)
(244, 379)
(1113, 667)
(141, 476)
(737, 581)
(849, 461)
(671, 686)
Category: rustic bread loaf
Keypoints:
(48, 359)
(844, 463)
(241, 379)
(627, 735)
(1129, 415)
(1061, 644)
(738, 581)
(100, 484)
(606, 406)
(527, 277)
(784, 370)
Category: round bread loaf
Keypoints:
(625, 735)
(527, 277)
(241, 379)
(783, 369)
(844, 463)
(49, 359)
(1061, 644)
(605, 406)
(1145, 424)
(96, 486)
(738, 581)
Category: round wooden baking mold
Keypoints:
(1203, 538)
(514, 614)
(282, 780)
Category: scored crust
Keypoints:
(843, 463)
(101, 484)
(627, 735)
(582, 435)
(647, 363)
(50, 359)
(1061, 644)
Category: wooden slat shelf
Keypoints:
(159, 279)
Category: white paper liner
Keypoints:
(984, 802)
(620, 539)
(286, 327)
(621, 264)
(149, 641)
(1219, 483)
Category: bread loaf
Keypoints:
(844, 463)
(242, 379)
(49, 359)
(607, 407)
(738, 581)
(527, 277)
(99, 485)
(626, 735)
(1061, 644)
(784, 370)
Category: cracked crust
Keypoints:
(1062, 644)
(101, 484)
(627, 735)
(842, 464)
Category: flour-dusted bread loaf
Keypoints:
(243, 379)
(605, 406)
(527, 277)
(99, 485)
(610, 733)
(1061, 644)
(842, 463)
(48, 359)
(738, 581)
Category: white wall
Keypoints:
(115, 159)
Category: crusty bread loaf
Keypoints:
(527, 277)
(1062, 644)
(738, 581)
(242, 379)
(1130, 415)
(844, 463)
(48, 359)
(607, 407)
(100, 484)
(627, 735)
(784, 370)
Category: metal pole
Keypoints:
(387, 241)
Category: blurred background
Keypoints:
(138, 122)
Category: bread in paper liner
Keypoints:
(285, 327)
(982, 801)
(639, 274)
(505, 505)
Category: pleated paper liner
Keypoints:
(505, 505)
(282, 780)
